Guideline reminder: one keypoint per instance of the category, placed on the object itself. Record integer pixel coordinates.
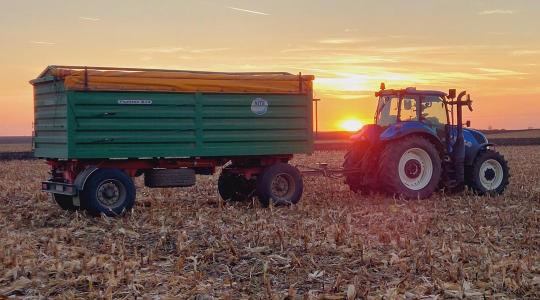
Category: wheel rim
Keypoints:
(415, 169)
(111, 193)
(491, 174)
(282, 186)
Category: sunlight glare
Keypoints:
(351, 125)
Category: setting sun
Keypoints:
(351, 125)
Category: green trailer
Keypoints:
(99, 127)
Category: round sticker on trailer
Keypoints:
(259, 106)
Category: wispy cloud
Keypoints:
(208, 50)
(525, 52)
(497, 12)
(499, 72)
(91, 19)
(248, 11)
(163, 50)
(338, 41)
(42, 43)
(172, 50)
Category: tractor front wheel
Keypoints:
(410, 167)
(489, 173)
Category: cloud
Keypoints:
(90, 19)
(208, 50)
(497, 12)
(172, 50)
(42, 43)
(248, 11)
(338, 41)
(525, 52)
(499, 72)
(163, 50)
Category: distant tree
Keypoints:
(490, 127)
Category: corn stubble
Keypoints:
(187, 243)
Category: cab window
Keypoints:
(388, 111)
(434, 111)
(408, 109)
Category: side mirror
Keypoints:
(407, 104)
(468, 124)
(452, 93)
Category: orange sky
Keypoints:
(490, 48)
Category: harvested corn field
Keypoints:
(187, 243)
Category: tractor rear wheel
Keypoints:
(410, 167)
(489, 173)
(235, 187)
(353, 160)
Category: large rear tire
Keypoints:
(410, 167)
(280, 183)
(234, 187)
(353, 160)
(489, 173)
(108, 191)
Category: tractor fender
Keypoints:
(472, 152)
(403, 129)
(368, 133)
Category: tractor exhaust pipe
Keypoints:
(459, 145)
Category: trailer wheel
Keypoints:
(108, 191)
(489, 173)
(234, 187)
(65, 202)
(280, 183)
(410, 167)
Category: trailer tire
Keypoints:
(108, 191)
(489, 173)
(65, 202)
(410, 167)
(235, 187)
(280, 183)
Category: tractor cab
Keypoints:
(428, 108)
(417, 144)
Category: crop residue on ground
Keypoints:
(334, 244)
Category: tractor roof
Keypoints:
(411, 91)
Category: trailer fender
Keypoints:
(80, 181)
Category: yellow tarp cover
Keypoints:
(125, 79)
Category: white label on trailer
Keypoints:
(259, 106)
(134, 102)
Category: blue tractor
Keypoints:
(418, 145)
